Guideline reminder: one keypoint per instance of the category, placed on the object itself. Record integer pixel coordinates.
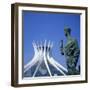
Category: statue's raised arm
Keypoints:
(61, 47)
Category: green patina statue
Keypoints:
(71, 52)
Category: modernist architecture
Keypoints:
(42, 63)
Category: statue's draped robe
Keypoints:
(71, 52)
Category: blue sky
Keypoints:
(39, 26)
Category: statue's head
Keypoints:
(67, 31)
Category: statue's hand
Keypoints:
(61, 44)
(61, 47)
(62, 51)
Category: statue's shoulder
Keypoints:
(70, 43)
(73, 41)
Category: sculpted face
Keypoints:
(67, 31)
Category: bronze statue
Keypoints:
(71, 52)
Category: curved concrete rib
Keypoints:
(30, 62)
(37, 55)
(45, 60)
(39, 63)
(53, 64)
(59, 65)
(33, 62)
